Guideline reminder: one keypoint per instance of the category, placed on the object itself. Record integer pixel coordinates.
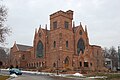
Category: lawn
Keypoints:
(3, 77)
(110, 76)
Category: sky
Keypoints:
(102, 18)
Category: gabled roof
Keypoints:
(95, 46)
(23, 47)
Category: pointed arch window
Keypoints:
(39, 51)
(80, 46)
(66, 44)
(67, 60)
(80, 32)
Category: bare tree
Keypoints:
(113, 56)
(106, 52)
(4, 29)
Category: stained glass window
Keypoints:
(80, 46)
(39, 52)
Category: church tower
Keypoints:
(61, 19)
(61, 38)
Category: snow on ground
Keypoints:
(54, 74)
(13, 75)
(78, 74)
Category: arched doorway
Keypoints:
(54, 65)
(66, 62)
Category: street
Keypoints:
(26, 76)
(40, 77)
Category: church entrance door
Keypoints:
(66, 62)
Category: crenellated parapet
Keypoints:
(67, 14)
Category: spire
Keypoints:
(86, 30)
(39, 28)
(35, 36)
(73, 26)
(46, 26)
(35, 33)
(15, 42)
(86, 33)
(40, 25)
(80, 24)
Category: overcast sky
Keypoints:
(102, 18)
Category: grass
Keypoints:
(3, 77)
(110, 76)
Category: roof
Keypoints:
(107, 59)
(75, 28)
(95, 46)
(23, 47)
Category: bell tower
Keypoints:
(61, 19)
(61, 38)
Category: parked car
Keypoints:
(15, 71)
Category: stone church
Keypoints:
(64, 46)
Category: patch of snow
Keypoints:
(78, 74)
(13, 75)
(8, 69)
(3, 69)
(91, 77)
(98, 77)
(101, 77)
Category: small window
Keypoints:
(80, 64)
(90, 64)
(66, 44)
(66, 24)
(54, 44)
(85, 64)
(55, 24)
(80, 32)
